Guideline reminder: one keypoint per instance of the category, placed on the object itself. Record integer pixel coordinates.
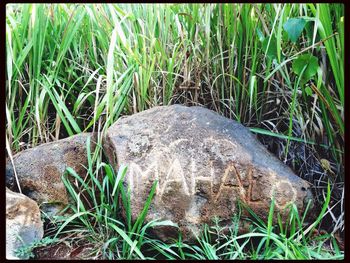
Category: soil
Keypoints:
(62, 251)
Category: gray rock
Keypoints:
(203, 162)
(23, 222)
(40, 169)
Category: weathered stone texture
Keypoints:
(203, 163)
(40, 169)
(23, 222)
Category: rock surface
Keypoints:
(23, 222)
(40, 169)
(203, 163)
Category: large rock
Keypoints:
(23, 222)
(40, 169)
(203, 163)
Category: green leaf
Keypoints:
(132, 245)
(309, 27)
(285, 37)
(286, 137)
(260, 35)
(308, 91)
(294, 27)
(270, 49)
(311, 63)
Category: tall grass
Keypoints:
(73, 68)
(58, 54)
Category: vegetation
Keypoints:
(276, 68)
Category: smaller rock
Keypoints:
(40, 169)
(23, 222)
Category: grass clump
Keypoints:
(96, 211)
